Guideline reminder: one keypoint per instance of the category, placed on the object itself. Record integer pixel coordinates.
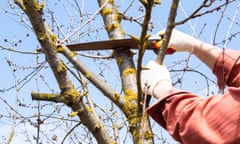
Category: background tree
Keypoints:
(94, 96)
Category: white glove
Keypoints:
(155, 80)
(181, 41)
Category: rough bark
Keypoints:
(69, 95)
(128, 73)
(167, 35)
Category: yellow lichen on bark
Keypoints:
(144, 2)
(85, 92)
(88, 75)
(45, 95)
(128, 71)
(112, 141)
(98, 125)
(116, 96)
(115, 114)
(130, 101)
(61, 68)
(38, 6)
(89, 109)
(10, 136)
(130, 108)
(157, 1)
(42, 36)
(114, 126)
(119, 60)
(62, 86)
(113, 26)
(122, 32)
(117, 17)
(53, 38)
(72, 54)
(174, 5)
(59, 49)
(73, 114)
(106, 11)
(20, 3)
(132, 123)
(148, 135)
(70, 96)
(111, 1)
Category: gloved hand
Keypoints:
(155, 80)
(181, 41)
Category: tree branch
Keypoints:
(144, 126)
(126, 67)
(81, 67)
(69, 95)
(142, 47)
(195, 13)
(167, 35)
(46, 97)
(47, 40)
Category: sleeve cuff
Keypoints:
(155, 110)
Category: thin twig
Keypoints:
(11, 135)
(195, 14)
(86, 22)
(17, 51)
(95, 56)
(70, 131)
(142, 99)
(231, 25)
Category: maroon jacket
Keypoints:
(214, 120)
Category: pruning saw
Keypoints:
(154, 43)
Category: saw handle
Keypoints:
(157, 45)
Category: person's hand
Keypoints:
(155, 80)
(181, 41)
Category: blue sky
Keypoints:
(13, 30)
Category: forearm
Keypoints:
(190, 119)
(207, 53)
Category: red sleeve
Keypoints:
(227, 68)
(216, 119)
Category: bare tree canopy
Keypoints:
(50, 94)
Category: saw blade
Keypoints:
(107, 45)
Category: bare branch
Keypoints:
(81, 67)
(231, 25)
(17, 51)
(69, 95)
(126, 66)
(69, 132)
(86, 22)
(47, 41)
(205, 4)
(46, 97)
(167, 35)
(142, 99)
